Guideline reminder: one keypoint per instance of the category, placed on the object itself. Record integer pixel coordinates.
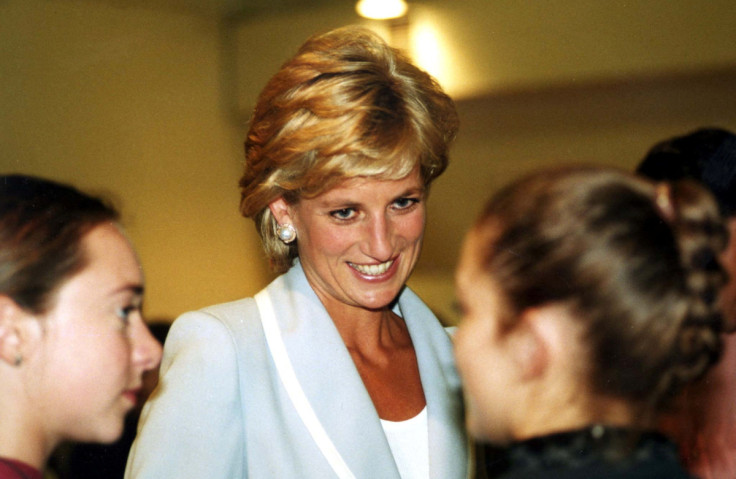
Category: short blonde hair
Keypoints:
(346, 105)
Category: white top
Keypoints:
(409, 443)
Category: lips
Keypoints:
(372, 269)
(131, 395)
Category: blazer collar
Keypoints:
(336, 392)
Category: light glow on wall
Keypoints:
(430, 52)
(381, 9)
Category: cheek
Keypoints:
(109, 359)
(469, 349)
(320, 241)
(412, 228)
(475, 365)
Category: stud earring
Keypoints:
(286, 233)
(18, 360)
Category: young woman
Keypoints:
(589, 298)
(703, 420)
(73, 344)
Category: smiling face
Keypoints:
(359, 241)
(93, 345)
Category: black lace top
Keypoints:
(593, 452)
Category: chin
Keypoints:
(380, 302)
(106, 433)
(486, 429)
(374, 307)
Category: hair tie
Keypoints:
(663, 202)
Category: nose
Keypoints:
(379, 242)
(146, 349)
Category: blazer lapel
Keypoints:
(448, 452)
(329, 378)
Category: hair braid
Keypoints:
(700, 236)
(636, 264)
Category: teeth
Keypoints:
(373, 269)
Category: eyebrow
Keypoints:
(135, 288)
(413, 190)
(348, 203)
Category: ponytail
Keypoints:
(700, 236)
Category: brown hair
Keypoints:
(707, 155)
(345, 105)
(636, 263)
(42, 224)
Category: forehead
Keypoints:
(111, 260)
(373, 186)
(476, 248)
(469, 263)
(111, 268)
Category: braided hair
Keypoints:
(635, 262)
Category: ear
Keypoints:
(553, 340)
(13, 331)
(281, 210)
(528, 347)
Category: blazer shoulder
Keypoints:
(236, 321)
(233, 313)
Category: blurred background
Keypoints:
(147, 102)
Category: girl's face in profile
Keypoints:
(481, 352)
(92, 345)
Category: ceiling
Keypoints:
(223, 8)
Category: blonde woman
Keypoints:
(336, 369)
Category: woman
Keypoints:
(335, 369)
(73, 343)
(704, 417)
(589, 299)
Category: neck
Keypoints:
(364, 331)
(22, 436)
(362, 328)
(570, 416)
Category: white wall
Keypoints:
(148, 100)
(129, 101)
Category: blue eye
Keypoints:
(125, 312)
(403, 203)
(343, 213)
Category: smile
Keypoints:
(372, 269)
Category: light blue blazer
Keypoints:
(220, 410)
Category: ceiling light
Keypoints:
(381, 9)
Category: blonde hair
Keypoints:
(636, 264)
(346, 105)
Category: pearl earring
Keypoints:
(286, 233)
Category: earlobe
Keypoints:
(14, 333)
(9, 333)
